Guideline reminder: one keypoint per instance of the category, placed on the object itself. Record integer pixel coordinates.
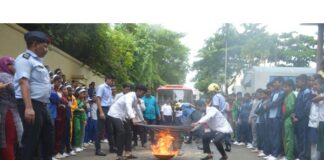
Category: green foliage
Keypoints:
(251, 47)
(135, 53)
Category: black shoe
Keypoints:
(100, 153)
(188, 142)
(199, 147)
(131, 157)
(207, 158)
(113, 150)
(223, 158)
(228, 148)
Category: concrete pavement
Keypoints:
(190, 153)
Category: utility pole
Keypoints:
(226, 65)
(319, 56)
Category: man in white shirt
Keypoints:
(166, 110)
(118, 112)
(126, 89)
(218, 127)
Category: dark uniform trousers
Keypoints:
(217, 138)
(39, 135)
(123, 136)
(302, 141)
(102, 126)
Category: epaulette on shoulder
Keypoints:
(26, 55)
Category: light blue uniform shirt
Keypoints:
(104, 92)
(29, 65)
(219, 100)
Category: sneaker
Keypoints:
(272, 158)
(53, 158)
(249, 146)
(267, 156)
(241, 144)
(236, 143)
(66, 154)
(72, 153)
(283, 158)
(105, 141)
(261, 154)
(255, 150)
(78, 149)
(59, 156)
(85, 144)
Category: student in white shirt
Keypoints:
(218, 127)
(166, 110)
(126, 89)
(120, 110)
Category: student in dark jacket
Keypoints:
(275, 115)
(261, 119)
(301, 116)
(243, 118)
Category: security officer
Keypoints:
(32, 90)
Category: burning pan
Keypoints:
(164, 157)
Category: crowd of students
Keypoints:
(284, 121)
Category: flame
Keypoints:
(164, 144)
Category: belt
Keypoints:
(20, 100)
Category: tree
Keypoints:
(135, 53)
(251, 47)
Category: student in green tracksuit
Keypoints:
(79, 118)
(236, 106)
(287, 109)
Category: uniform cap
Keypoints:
(37, 36)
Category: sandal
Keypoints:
(207, 157)
(131, 157)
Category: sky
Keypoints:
(197, 33)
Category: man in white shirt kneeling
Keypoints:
(216, 127)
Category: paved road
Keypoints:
(190, 153)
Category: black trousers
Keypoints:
(137, 131)
(217, 138)
(102, 126)
(123, 136)
(151, 132)
(66, 143)
(167, 120)
(37, 135)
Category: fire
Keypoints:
(164, 144)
